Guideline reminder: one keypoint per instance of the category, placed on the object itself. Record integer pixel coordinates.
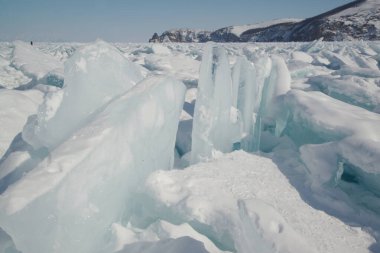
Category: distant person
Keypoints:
(31, 43)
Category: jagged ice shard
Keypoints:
(102, 72)
(232, 107)
(70, 200)
(215, 124)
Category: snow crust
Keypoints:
(259, 211)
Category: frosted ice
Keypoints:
(106, 160)
(94, 75)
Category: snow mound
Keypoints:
(245, 204)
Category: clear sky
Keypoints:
(137, 20)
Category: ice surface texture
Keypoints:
(70, 200)
(250, 209)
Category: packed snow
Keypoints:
(212, 148)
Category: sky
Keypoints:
(137, 20)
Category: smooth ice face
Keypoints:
(94, 75)
(215, 123)
(70, 200)
(246, 93)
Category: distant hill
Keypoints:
(358, 20)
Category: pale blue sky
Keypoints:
(137, 20)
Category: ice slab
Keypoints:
(246, 204)
(346, 134)
(70, 200)
(94, 75)
(215, 123)
(354, 90)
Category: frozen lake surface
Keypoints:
(150, 148)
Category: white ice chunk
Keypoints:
(70, 200)
(301, 56)
(353, 134)
(16, 107)
(94, 75)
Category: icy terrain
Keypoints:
(152, 148)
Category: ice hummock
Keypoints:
(94, 75)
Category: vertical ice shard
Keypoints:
(215, 125)
(93, 76)
(70, 200)
(275, 85)
(245, 95)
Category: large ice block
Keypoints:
(70, 200)
(94, 75)
(215, 124)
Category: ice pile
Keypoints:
(82, 176)
(100, 149)
(232, 108)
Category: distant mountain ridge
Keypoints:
(357, 20)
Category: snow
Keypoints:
(239, 29)
(122, 120)
(258, 202)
